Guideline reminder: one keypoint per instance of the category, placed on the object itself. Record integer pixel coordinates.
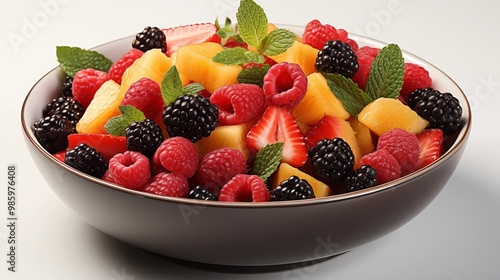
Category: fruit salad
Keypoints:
(247, 112)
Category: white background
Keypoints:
(456, 238)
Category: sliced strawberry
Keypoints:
(108, 145)
(430, 142)
(190, 34)
(61, 155)
(278, 125)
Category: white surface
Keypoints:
(455, 238)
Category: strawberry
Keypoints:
(190, 34)
(108, 145)
(430, 142)
(278, 125)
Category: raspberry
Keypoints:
(337, 57)
(108, 177)
(245, 188)
(201, 193)
(238, 103)
(167, 184)
(145, 95)
(233, 43)
(118, 68)
(285, 84)
(86, 159)
(293, 188)
(219, 166)
(177, 155)
(362, 178)
(365, 55)
(384, 163)
(416, 77)
(130, 169)
(316, 34)
(144, 136)
(86, 83)
(150, 38)
(52, 132)
(403, 146)
(368, 51)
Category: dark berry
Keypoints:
(332, 159)
(86, 159)
(201, 193)
(67, 87)
(337, 57)
(52, 132)
(144, 136)
(191, 117)
(293, 188)
(362, 178)
(150, 38)
(441, 110)
(65, 106)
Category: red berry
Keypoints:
(387, 166)
(219, 166)
(86, 82)
(106, 144)
(245, 188)
(431, 146)
(238, 103)
(118, 68)
(365, 55)
(130, 169)
(177, 155)
(415, 77)
(190, 34)
(108, 176)
(167, 184)
(369, 51)
(233, 43)
(316, 35)
(145, 95)
(403, 146)
(285, 84)
(61, 155)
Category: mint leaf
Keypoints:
(129, 114)
(225, 31)
(254, 75)
(278, 41)
(238, 55)
(192, 88)
(267, 160)
(252, 23)
(348, 92)
(171, 85)
(74, 59)
(386, 73)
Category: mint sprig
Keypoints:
(192, 88)
(118, 124)
(74, 59)
(348, 92)
(238, 55)
(386, 73)
(267, 160)
(278, 41)
(252, 23)
(254, 75)
(171, 85)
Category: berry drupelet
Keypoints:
(150, 38)
(144, 136)
(86, 159)
(52, 132)
(337, 57)
(293, 188)
(362, 178)
(332, 159)
(201, 193)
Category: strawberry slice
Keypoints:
(430, 142)
(106, 144)
(190, 34)
(278, 125)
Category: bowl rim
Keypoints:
(453, 149)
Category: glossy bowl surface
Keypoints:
(242, 234)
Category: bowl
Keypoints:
(243, 234)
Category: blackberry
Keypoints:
(293, 188)
(144, 137)
(191, 116)
(150, 38)
(86, 159)
(332, 159)
(65, 106)
(362, 178)
(441, 110)
(52, 132)
(201, 193)
(67, 87)
(337, 57)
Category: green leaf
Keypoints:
(238, 55)
(118, 124)
(278, 41)
(225, 31)
(252, 23)
(192, 88)
(74, 59)
(348, 92)
(267, 160)
(254, 75)
(386, 73)
(171, 85)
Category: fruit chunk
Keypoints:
(153, 64)
(363, 135)
(195, 63)
(245, 188)
(301, 54)
(284, 172)
(318, 101)
(106, 144)
(231, 136)
(385, 114)
(430, 142)
(103, 107)
(190, 34)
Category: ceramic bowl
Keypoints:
(242, 234)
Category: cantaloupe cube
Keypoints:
(301, 54)
(284, 172)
